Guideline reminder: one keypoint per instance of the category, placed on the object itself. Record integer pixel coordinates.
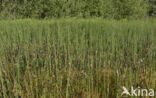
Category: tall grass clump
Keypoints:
(76, 58)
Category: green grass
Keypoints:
(76, 58)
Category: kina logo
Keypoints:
(137, 92)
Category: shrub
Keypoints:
(117, 9)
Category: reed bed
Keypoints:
(76, 58)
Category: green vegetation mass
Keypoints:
(76, 58)
(116, 9)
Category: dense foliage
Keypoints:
(76, 58)
(76, 8)
(152, 8)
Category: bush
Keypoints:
(117, 9)
(152, 8)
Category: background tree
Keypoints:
(117, 9)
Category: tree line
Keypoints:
(116, 9)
